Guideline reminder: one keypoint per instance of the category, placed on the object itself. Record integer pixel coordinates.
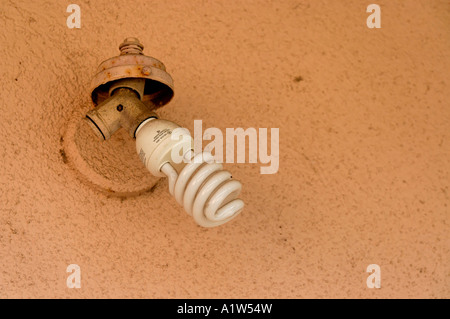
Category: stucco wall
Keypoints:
(364, 150)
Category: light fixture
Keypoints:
(126, 90)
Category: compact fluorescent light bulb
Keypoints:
(207, 191)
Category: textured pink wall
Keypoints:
(364, 150)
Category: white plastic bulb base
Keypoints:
(207, 191)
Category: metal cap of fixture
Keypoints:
(132, 63)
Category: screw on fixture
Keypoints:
(146, 70)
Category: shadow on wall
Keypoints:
(111, 167)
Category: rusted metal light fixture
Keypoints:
(126, 90)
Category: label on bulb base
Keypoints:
(160, 134)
